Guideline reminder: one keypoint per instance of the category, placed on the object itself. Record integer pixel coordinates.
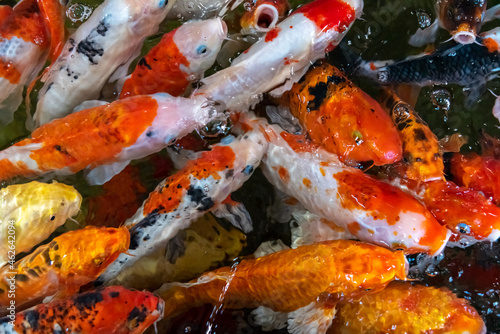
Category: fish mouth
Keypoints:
(464, 34)
(264, 19)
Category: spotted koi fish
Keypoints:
(403, 307)
(27, 31)
(423, 157)
(263, 15)
(294, 282)
(342, 118)
(114, 133)
(114, 310)
(61, 267)
(478, 172)
(31, 212)
(202, 185)
(371, 210)
(182, 56)
(111, 37)
(283, 55)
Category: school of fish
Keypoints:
(135, 170)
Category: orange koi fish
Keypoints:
(283, 55)
(182, 56)
(202, 185)
(421, 149)
(342, 118)
(111, 134)
(406, 308)
(478, 172)
(114, 310)
(26, 32)
(262, 15)
(111, 37)
(371, 210)
(65, 264)
(305, 282)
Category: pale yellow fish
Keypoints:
(30, 212)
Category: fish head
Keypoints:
(463, 318)
(263, 16)
(462, 18)
(200, 42)
(60, 202)
(151, 307)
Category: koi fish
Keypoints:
(69, 261)
(203, 246)
(408, 308)
(342, 118)
(26, 32)
(114, 310)
(371, 210)
(203, 185)
(263, 15)
(182, 56)
(462, 18)
(478, 172)
(470, 65)
(293, 281)
(111, 134)
(31, 212)
(112, 36)
(283, 55)
(421, 150)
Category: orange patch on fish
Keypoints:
(284, 175)
(26, 22)
(171, 194)
(328, 14)
(9, 72)
(353, 228)
(272, 34)
(9, 169)
(307, 182)
(298, 143)
(491, 44)
(155, 72)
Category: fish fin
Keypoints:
(122, 70)
(492, 13)
(281, 115)
(180, 157)
(269, 247)
(408, 93)
(89, 104)
(120, 82)
(283, 207)
(102, 174)
(314, 318)
(473, 94)
(308, 228)
(269, 319)
(176, 247)
(424, 36)
(235, 213)
(287, 85)
(9, 106)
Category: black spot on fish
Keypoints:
(31, 317)
(46, 256)
(58, 148)
(101, 28)
(229, 173)
(136, 230)
(179, 186)
(143, 62)
(248, 169)
(146, 238)
(33, 273)
(138, 315)
(114, 294)
(90, 49)
(87, 301)
(49, 86)
(197, 196)
(21, 278)
(149, 133)
(2, 291)
(403, 125)
(419, 135)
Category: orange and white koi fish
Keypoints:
(202, 185)
(478, 172)
(182, 56)
(371, 210)
(408, 308)
(31, 212)
(111, 37)
(61, 267)
(113, 310)
(342, 118)
(423, 157)
(26, 32)
(306, 282)
(283, 55)
(262, 15)
(114, 134)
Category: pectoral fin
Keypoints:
(102, 174)
(424, 36)
(314, 318)
(235, 213)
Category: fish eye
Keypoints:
(463, 228)
(162, 3)
(98, 261)
(201, 49)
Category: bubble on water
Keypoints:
(441, 98)
(248, 6)
(190, 5)
(432, 270)
(215, 128)
(424, 19)
(78, 12)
